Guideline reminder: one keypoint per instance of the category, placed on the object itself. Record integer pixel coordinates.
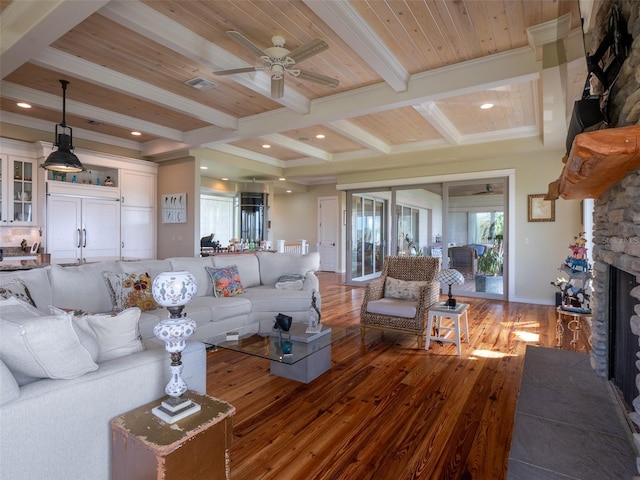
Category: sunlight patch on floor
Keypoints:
(489, 354)
(528, 336)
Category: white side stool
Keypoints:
(439, 311)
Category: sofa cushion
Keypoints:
(130, 290)
(16, 289)
(402, 289)
(152, 267)
(14, 308)
(275, 265)
(394, 307)
(269, 299)
(81, 287)
(226, 281)
(9, 388)
(44, 347)
(117, 335)
(247, 264)
(85, 334)
(196, 266)
(37, 281)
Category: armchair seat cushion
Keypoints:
(393, 307)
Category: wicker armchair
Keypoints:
(401, 315)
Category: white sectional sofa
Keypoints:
(59, 428)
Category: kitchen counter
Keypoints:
(8, 265)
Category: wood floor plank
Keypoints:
(385, 410)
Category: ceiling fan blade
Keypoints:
(245, 42)
(305, 51)
(236, 70)
(316, 77)
(277, 87)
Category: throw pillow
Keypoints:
(86, 336)
(402, 289)
(16, 288)
(226, 281)
(117, 335)
(13, 308)
(44, 347)
(130, 290)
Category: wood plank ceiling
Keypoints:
(412, 75)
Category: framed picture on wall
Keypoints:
(541, 210)
(174, 208)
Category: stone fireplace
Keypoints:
(616, 226)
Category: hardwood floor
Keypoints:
(385, 410)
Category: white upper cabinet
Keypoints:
(18, 192)
(137, 189)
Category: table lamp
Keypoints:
(450, 276)
(173, 290)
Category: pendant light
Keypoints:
(63, 159)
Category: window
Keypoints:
(218, 215)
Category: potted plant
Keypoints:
(490, 262)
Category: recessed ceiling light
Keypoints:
(266, 145)
(224, 179)
(320, 136)
(282, 179)
(486, 106)
(136, 134)
(202, 167)
(288, 191)
(23, 105)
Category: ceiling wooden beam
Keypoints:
(54, 102)
(28, 27)
(352, 28)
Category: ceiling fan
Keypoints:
(277, 60)
(488, 190)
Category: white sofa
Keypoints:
(59, 429)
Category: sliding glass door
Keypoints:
(475, 233)
(368, 235)
(462, 222)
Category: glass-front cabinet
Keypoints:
(17, 190)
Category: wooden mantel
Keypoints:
(597, 160)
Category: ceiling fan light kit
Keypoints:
(277, 60)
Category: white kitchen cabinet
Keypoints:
(137, 189)
(82, 229)
(138, 232)
(18, 192)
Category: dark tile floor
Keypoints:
(568, 425)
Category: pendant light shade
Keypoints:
(63, 159)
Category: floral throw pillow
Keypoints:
(402, 289)
(226, 281)
(130, 290)
(17, 289)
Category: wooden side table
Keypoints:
(195, 448)
(457, 314)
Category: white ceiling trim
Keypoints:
(549, 32)
(357, 134)
(54, 102)
(498, 135)
(297, 146)
(28, 122)
(28, 27)
(352, 28)
(248, 154)
(71, 65)
(438, 120)
(467, 77)
(153, 25)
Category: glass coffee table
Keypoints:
(309, 356)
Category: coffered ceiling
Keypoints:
(412, 76)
